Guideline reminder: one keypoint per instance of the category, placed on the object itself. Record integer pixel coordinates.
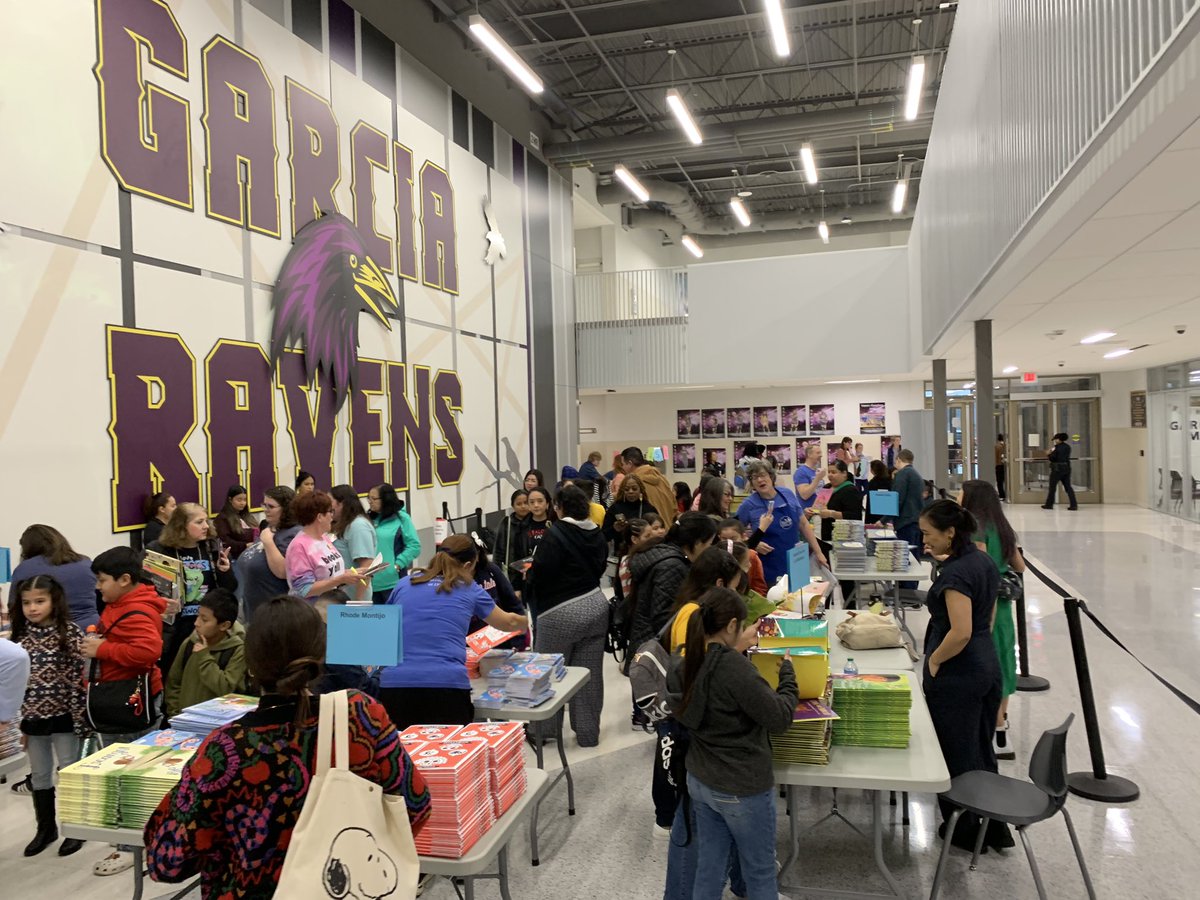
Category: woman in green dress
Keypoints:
(997, 538)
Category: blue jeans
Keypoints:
(742, 824)
(683, 854)
(42, 750)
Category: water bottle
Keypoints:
(851, 668)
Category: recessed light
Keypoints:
(1113, 354)
(745, 194)
(1008, 370)
(846, 220)
(1098, 337)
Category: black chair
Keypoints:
(1017, 803)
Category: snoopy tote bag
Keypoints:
(352, 840)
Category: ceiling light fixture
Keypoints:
(846, 220)
(1098, 337)
(739, 212)
(809, 161)
(505, 55)
(823, 231)
(779, 35)
(968, 385)
(856, 381)
(745, 194)
(684, 117)
(916, 83)
(900, 195)
(1113, 354)
(626, 178)
(1008, 370)
(692, 247)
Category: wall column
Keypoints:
(941, 445)
(985, 403)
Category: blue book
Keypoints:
(364, 636)
(884, 503)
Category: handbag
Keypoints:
(351, 838)
(869, 631)
(1012, 587)
(125, 706)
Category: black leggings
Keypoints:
(427, 706)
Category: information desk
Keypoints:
(16, 763)
(887, 659)
(918, 768)
(918, 570)
(492, 846)
(576, 678)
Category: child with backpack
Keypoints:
(52, 716)
(212, 662)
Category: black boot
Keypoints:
(69, 846)
(47, 830)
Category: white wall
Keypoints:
(649, 419)
(822, 315)
(1123, 464)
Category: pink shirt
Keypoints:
(310, 560)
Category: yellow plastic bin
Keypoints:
(810, 663)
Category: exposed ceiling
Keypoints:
(1132, 269)
(608, 65)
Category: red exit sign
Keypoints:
(1029, 378)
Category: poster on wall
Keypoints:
(794, 420)
(831, 450)
(782, 455)
(741, 448)
(713, 423)
(820, 419)
(802, 445)
(737, 422)
(766, 421)
(889, 446)
(1137, 409)
(687, 423)
(871, 418)
(716, 459)
(683, 458)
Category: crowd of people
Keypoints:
(691, 575)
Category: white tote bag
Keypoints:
(352, 841)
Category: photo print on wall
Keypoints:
(793, 420)
(687, 423)
(713, 423)
(802, 445)
(820, 419)
(871, 418)
(715, 457)
(782, 455)
(737, 422)
(766, 421)
(831, 452)
(889, 446)
(683, 458)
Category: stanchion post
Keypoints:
(1025, 681)
(1097, 784)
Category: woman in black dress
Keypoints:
(961, 675)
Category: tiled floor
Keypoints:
(1140, 573)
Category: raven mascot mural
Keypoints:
(326, 281)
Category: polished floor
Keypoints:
(1139, 571)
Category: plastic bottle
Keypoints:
(851, 668)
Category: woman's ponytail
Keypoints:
(718, 607)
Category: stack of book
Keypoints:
(491, 659)
(892, 556)
(521, 685)
(848, 530)
(89, 791)
(558, 668)
(146, 782)
(173, 739)
(850, 556)
(10, 739)
(807, 741)
(205, 718)
(424, 734)
(506, 761)
(872, 710)
(462, 810)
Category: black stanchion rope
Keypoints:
(1192, 704)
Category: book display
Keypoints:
(144, 784)
(506, 762)
(807, 741)
(873, 710)
(206, 717)
(89, 791)
(456, 773)
(523, 681)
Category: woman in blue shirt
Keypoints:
(44, 551)
(430, 685)
(786, 524)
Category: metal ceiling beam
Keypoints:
(749, 73)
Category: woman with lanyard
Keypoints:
(962, 673)
(785, 527)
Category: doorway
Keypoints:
(1034, 422)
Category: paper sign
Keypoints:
(5, 565)
(441, 531)
(798, 572)
(1035, 440)
(364, 636)
(884, 503)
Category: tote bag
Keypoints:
(352, 839)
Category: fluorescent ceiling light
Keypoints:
(899, 194)
(692, 247)
(823, 231)
(1098, 337)
(809, 162)
(635, 187)
(745, 194)
(739, 211)
(1008, 370)
(505, 55)
(916, 83)
(779, 35)
(856, 381)
(684, 117)
(1113, 354)
(969, 385)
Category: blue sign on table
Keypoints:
(364, 636)
(798, 570)
(5, 565)
(884, 503)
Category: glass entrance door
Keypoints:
(1034, 424)
(961, 440)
